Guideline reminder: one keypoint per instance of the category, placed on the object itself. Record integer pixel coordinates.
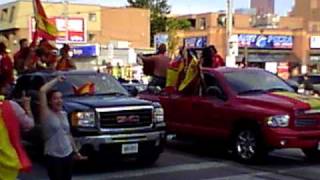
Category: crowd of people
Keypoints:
(33, 57)
(182, 70)
(60, 148)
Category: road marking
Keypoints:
(253, 176)
(161, 170)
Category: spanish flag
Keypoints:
(192, 73)
(173, 72)
(44, 28)
(13, 158)
(87, 88)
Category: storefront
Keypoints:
(267, 51)
(86, 56)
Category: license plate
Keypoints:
(129, 148)
(318, 146)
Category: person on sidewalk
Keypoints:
(60, 148)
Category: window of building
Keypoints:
(202, 23)
(192, 23)
(4, 14)
(92, 17)
(91, 36)
(13, 9)
(222, 20)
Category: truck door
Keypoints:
(177, 112)
(209, 109)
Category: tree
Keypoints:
(159, 11)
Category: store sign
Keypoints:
(74, 33)
(315, 42)
(85, 51)
(196, 42)
(265, 41)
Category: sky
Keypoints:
(195, 6)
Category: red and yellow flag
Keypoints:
(87, 88)
(12, 155)
(192, 73)
(44, 28)
(173, 72)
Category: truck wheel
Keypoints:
(312, 154)
(247, 146)
(148, 159)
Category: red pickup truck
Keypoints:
(252, 109)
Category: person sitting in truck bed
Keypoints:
(161, 63)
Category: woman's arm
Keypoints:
(43, 95)
(77, 156)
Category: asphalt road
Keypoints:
(189, 160)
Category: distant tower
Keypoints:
(263, 6)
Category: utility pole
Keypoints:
(65, 15)
(230, 60)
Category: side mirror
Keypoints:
(293, 84)
(215, 92)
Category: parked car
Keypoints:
(108, 121)
(313, 78)
(251, 109)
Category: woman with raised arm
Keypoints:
(59, 144)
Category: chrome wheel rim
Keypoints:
(246, 145)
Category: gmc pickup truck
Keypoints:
(107, 122)
(252, 110)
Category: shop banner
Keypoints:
(196, 42)
(85, 51)
(258, 41)
(75, 33)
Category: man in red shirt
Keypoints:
(6, 66)
(20, 56)
(217, 60)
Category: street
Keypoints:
(194, 160)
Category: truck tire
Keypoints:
(312, 154)
(247, 146)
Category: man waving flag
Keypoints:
(44, 28)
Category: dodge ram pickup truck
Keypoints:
(253, 110)
(107, 121)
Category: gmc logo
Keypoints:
(128, 119)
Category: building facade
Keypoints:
(263, 6)
(87, 24)
(287, 42)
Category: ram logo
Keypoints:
(128, 119)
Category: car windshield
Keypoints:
(79, 84)
(247, 82)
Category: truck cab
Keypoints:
(253, 110)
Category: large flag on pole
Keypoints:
(44, 28)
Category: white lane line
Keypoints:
(161, 170)
(251, 176)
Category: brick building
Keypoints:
(263, 6)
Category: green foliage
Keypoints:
(159, 21)
(159, 10)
